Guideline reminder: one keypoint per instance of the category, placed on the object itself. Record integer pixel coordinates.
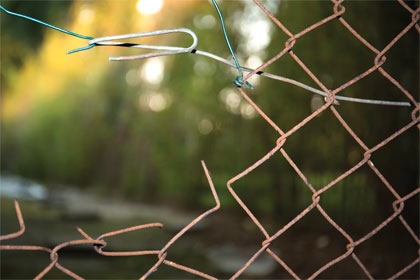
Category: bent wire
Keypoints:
(53, 27)
(107, 41)
(171, 50)
(167, 50)
(238, 81)
(304, 86)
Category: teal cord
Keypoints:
(238, 81)
(56, 28)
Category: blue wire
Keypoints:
(238, 81)
(56, 28)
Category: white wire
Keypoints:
(302, 85)
(169, 50)
(172, 50)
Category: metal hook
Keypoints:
(167, 50)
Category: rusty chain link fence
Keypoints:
(349, 252)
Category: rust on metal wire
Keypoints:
(349, 250)
(100, 244)
(21, 224)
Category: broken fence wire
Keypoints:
(399, 200)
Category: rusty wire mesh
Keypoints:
(338, 16)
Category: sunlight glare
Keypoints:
(260, 38)
(149, 7)
(153, 71)
(86, 15)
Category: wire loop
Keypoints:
(167, 50)
(171, 50)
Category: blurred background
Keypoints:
(83, 127)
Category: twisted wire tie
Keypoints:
(238, 81)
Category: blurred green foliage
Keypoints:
(95, 132)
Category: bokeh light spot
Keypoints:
(154, 101)
(149, 7)
(205, 126)
(153, 70)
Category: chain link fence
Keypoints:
(350, 252)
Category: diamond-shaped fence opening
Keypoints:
(349, 212)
